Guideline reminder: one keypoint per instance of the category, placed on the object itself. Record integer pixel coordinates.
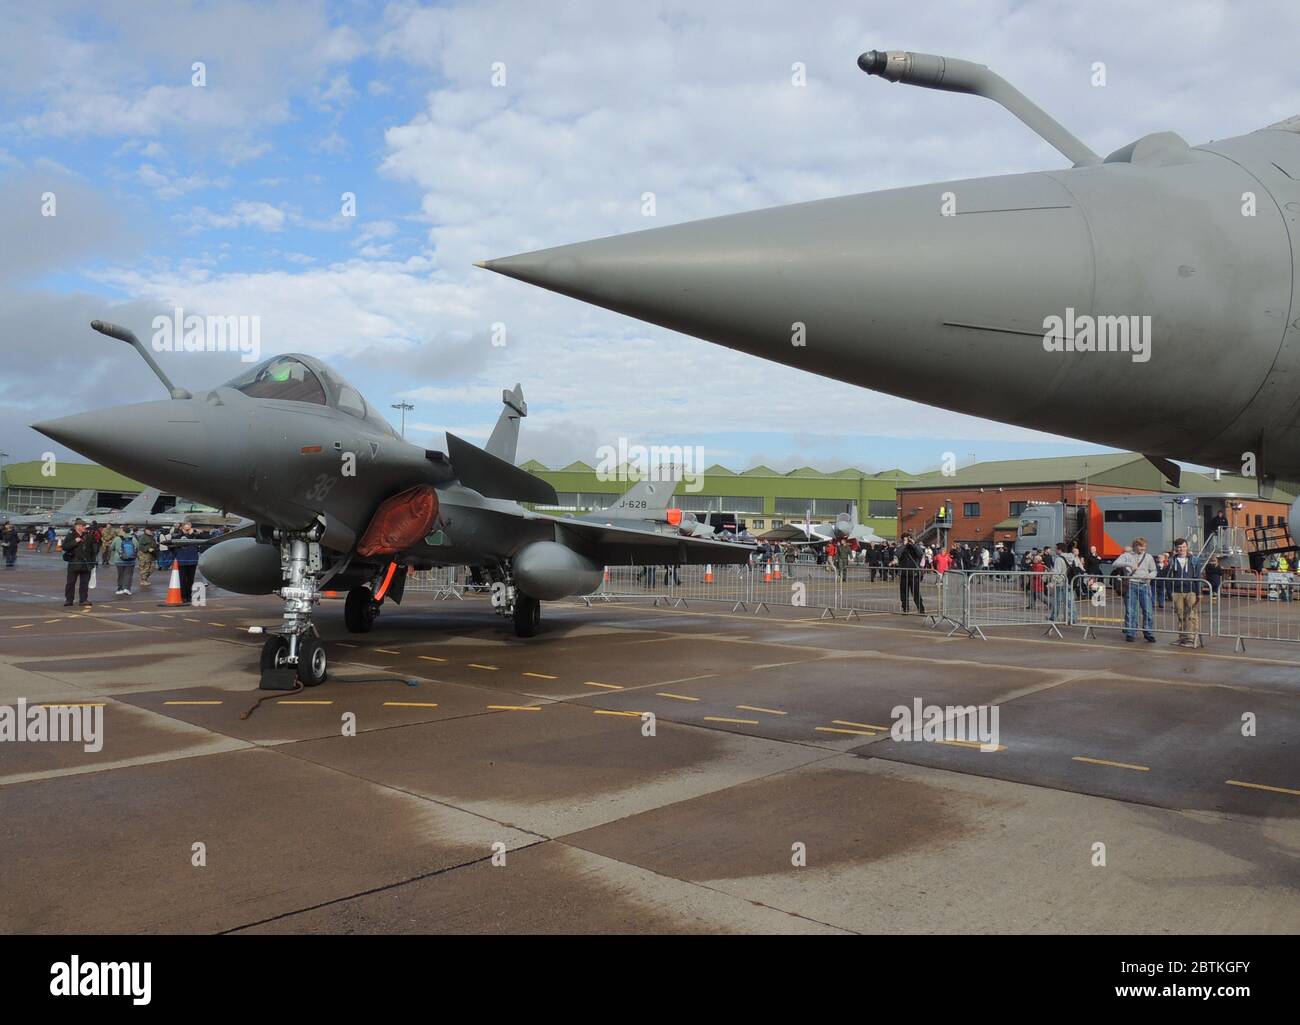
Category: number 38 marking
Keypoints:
(318, 491)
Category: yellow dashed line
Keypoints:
(1262, 786)
(386, 651)
(723, 718)
(431, 658)
(856, 733)
(345, 644)
(409, 704)
(73, 704)
(514, 708)
(993, 749)
(24, 626)
(607, 686)
(476, 665)
(215, 623)
(610, 711)
(192, 702)
(1115, 765)
(188, 620)
(861, 725)
(541, 676)
(49, 621)
(675, 697)
(755, 708)
(285, 701)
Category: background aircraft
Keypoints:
(335, 496)
(1183, 257)
(63, 516)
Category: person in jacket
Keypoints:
(79, 552)
(1140, 570)
(106, 543)
(909, 556)
(1183, 580)
(126, 550)
(9, 542)
(187, 557)
(148, 557)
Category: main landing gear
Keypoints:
(293, 651)
(360, 610)
(507, 600)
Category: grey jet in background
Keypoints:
(1146, 300)
(64, 516)
(337, 498)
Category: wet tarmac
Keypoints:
(635, 769)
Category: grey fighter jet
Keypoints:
(1147, 299)
(63, 516)
(136, 512)
(336, 497)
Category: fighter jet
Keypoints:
(1141, 300)
(136, 512)
(336, 497)
(76, 506)
(817, 535)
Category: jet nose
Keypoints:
(161, 444)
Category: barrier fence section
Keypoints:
(1263, 606)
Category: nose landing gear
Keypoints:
(294, 650)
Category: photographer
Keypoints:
(80, 551)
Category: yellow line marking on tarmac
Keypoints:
(610, 711)
(72, 704)
(1262, 786)
(192, 702)
(215, 623)
(431, 658)
(1115, 765)
(476, 665)
(24, 626)
(188, 620)
(755, 708)
(833, 729)
(607, 686)
(284, 701)
(541, 676)
(723, 718)
(978, 746)
(863, 725)
(49, 621)
(514, 708)
(675, 697)
(386, 651)
(344, 644)
(410, 704)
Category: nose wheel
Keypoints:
(312, 666)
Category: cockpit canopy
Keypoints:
(295, 378)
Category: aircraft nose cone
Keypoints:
(161, 444)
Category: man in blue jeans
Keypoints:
(1140, 569)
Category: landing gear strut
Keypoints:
(294, 650)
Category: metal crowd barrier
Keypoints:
(1261, 606)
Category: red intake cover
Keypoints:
(400, 522)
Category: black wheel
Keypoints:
(359, 611)
(528, 615)
(311, 661)
(274, 649)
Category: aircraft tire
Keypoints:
(528, 615)
(358, 611)
(312, 664)
(274, 648)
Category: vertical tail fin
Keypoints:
(140, 506)
(649, 497)
(78, 503)
(504, 442)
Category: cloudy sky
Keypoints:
(481, 129)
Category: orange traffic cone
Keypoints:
(708, 573)
(767, 572)
(174, 587)
(607, 574)
(776, 569)
(31, 541)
